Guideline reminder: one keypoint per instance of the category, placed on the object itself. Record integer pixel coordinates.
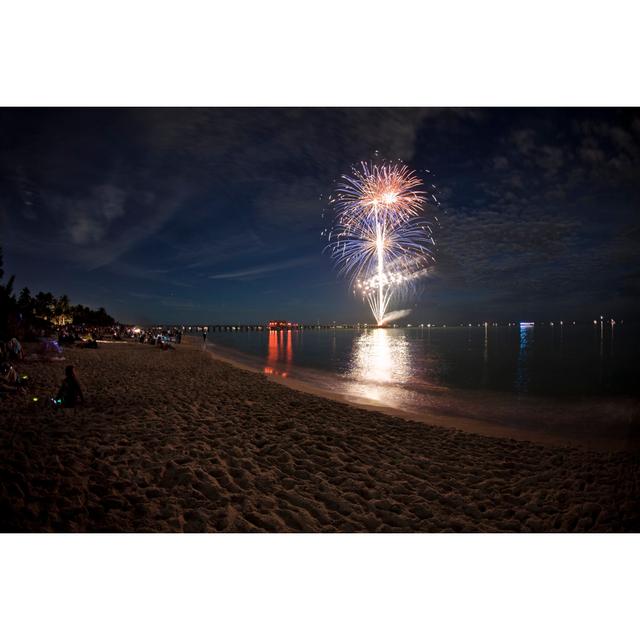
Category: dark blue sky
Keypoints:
(215, 215)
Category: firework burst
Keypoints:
(381, 240)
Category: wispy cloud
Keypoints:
(166, 301)
(259, 271)
(141, 273)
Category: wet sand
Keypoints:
(178, 441)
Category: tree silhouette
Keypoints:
(28, 312)
(7, 302)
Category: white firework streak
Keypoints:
(381, 240)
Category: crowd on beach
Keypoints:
(159, 338)
(11, 353)
(14, 359)
(49, 348)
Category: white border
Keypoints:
(335, 52)
(328, 586)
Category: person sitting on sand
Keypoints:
(9, 379)
(8, 375)
(15, 349)
(70, 392)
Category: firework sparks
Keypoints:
(380, 239)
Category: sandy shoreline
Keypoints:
(179, 441)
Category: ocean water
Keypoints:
(572, 381)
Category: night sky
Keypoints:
(215, 215)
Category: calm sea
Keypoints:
(572, 380)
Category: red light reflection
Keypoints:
(279, 349)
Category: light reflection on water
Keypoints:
(526, 345)
(279, 352)
(379, 362)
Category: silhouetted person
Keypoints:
(70, 392)
(204, 337)
(15, 349)
(9, 380)
(9, 375)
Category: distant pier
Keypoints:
(213, 328)
(218, 328)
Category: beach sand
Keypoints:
(178, 441)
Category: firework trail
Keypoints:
(380, 239)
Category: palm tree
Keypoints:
(45, 305)
(62, 311)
